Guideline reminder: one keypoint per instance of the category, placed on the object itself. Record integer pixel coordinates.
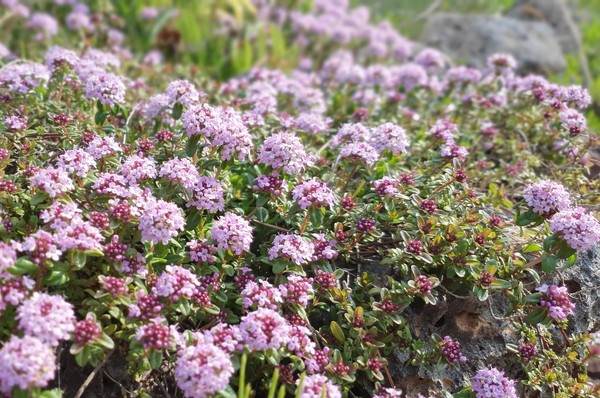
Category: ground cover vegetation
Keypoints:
(204, 210)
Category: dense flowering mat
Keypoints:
(213, 234)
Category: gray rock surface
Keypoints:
(557, 13)
(483, 332)
(472, 38)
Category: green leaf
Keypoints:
(56, 278)
(193, 220)
(564, 250)
(532, 247)
(83, 356)
(54, 393)
(79, 259)
(192, 145)
(23, 266)
(465, 394)
(549, 262)
(155, 359)
(105, 341)
(177, 111)
(527, 218)
(262, 214)
(482, 294)
(100, 117)
(38, 198)
(337, 331)
(536, 316)
(549, 242)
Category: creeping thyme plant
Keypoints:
(214, 235)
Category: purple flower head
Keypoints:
(389, 136)
(271, 184)
(200, 252)
(232, 232)
(313, 192)
(451, 350)
(453, 151)
(574, 121)
(352, 132)
(79, 235)
(108, 88)
(16, 123)
(148, 13)
(183, 92)
(491, 383)
(8, 256)
(556, 299)
(26, 362)
(161, 221)
(76, 162)
(431, 59)
(57, 57)
(202, 370)
(324, 249)
(155, 336)
(41, 247)
(312, 123)
(180, 171)
(547, 197)
(221, 127)
(444, 130)
(298, 289)
(580, 229)
(292, 247)
(45, 23)
(502, 62)
(285, 151)
(263, 329)
(136, 168)
(23, 77)
(176, 282)
(410, 76)
(53, 181)
(261, 294)
(86, 331)
(386, 187)
(314, 386)
(101, 147)
(359, 152)
(49, 318)
(207, 194)
(388, 393)
(577, 96)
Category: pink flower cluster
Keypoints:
(26, 362)
(48, 318)
(232, 232)
(284, 151)
(491, 383)
(547, 197)
(221, 127)
(202, 369)
(292, 247)
(161, 221)
(313, 192)
(556, 299)
(263, 329)
(580, 229)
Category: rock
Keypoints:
(582, 282)
(557, 13)
(482, 337)
(483, 334)
(472, 38)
